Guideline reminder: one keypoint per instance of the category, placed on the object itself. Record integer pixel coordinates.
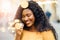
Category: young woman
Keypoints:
(36, 24)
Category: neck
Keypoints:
(33, 29)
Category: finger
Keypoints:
(19, 31)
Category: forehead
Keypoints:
(27, 11)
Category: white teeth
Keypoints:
(27, 22)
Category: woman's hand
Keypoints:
(19, 28)
(16, 27)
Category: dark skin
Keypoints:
(28, 18)
(32, 34)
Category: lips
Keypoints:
(27, 22)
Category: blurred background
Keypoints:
(8, 9)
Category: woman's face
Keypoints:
(28, 17)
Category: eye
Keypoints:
(23, 17)
(28, 14)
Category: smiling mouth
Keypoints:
(27, 22)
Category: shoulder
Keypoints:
(48, 35)
(47, 32)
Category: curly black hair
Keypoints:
(41, 21)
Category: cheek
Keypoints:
(23, 19)
(32, 18)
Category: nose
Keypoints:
(26, 18)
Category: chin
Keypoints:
(29, 25)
